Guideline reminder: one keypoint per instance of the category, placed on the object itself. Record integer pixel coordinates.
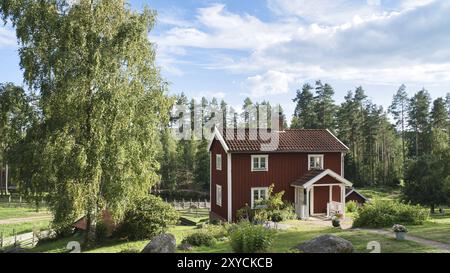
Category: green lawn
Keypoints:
(437, 228)
(384, 193)
(8, 212)
(195, 215)
(8, 229)
(284, 241)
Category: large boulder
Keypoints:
(164, 243)
(327, 244)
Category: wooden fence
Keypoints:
(23, 240)
(183, 204)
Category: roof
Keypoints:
(349, 191)
(314, 176)
(291, 140)
(307, 177)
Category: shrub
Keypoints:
(101, 232)
(351, 206)
(199, 239)
(248, 238)
(150, 216)
(381, 213)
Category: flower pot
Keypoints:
(400, 236)
(336, 222)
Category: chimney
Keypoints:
(280, 122)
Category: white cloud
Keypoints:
(270, 83)
(225, 30)
(367, 42)
(209, 95)
(7, 36)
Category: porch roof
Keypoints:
(314, 176)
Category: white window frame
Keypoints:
(309, 161)
(253, 195)
(219, 196)
(259, 163)
(218, 162)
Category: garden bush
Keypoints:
(199, 239)
(382, 213)
(351, 206)
(248, 238)
(149, 216)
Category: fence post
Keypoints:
(15, 237)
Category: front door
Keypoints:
(321, 199)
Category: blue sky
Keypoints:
(266, 49)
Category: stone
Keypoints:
(327, 244)
(164, 243)
(185, 247)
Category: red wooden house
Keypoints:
(306, 164)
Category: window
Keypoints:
(219, 195)
(260, 163)
(258, 195)
(219, 162)
(315, 162)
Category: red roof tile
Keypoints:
(292, 140)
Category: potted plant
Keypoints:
(336, 220)
(400, 232)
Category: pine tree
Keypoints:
(304, 115)
(325, 108)
(439, 114)
(419, 120)
(399, 110)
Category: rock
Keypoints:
(185, 247)
(327, 244)
(164, 243)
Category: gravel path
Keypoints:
(430, 243)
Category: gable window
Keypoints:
(260, 163)
(259, 195)
(218, 195)
(315, 162)
(219, 162)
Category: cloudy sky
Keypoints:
(266, 49)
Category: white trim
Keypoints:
(338, 139)
(330, 173)
(257, 189)
(342, 164)
(311, 208)
(219, 189)
(229, 188)
(217, 135)
(218, 159)
(260, 170)
(315, 155)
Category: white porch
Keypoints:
(325, 199)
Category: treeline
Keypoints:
(386, 145)
(414, 150)
(185, 163)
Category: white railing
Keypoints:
(334, 207)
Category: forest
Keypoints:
(385, 144)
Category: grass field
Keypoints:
(284, 241)
(437, 228)
(8, 230)
(8, 211)
(380, 193)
